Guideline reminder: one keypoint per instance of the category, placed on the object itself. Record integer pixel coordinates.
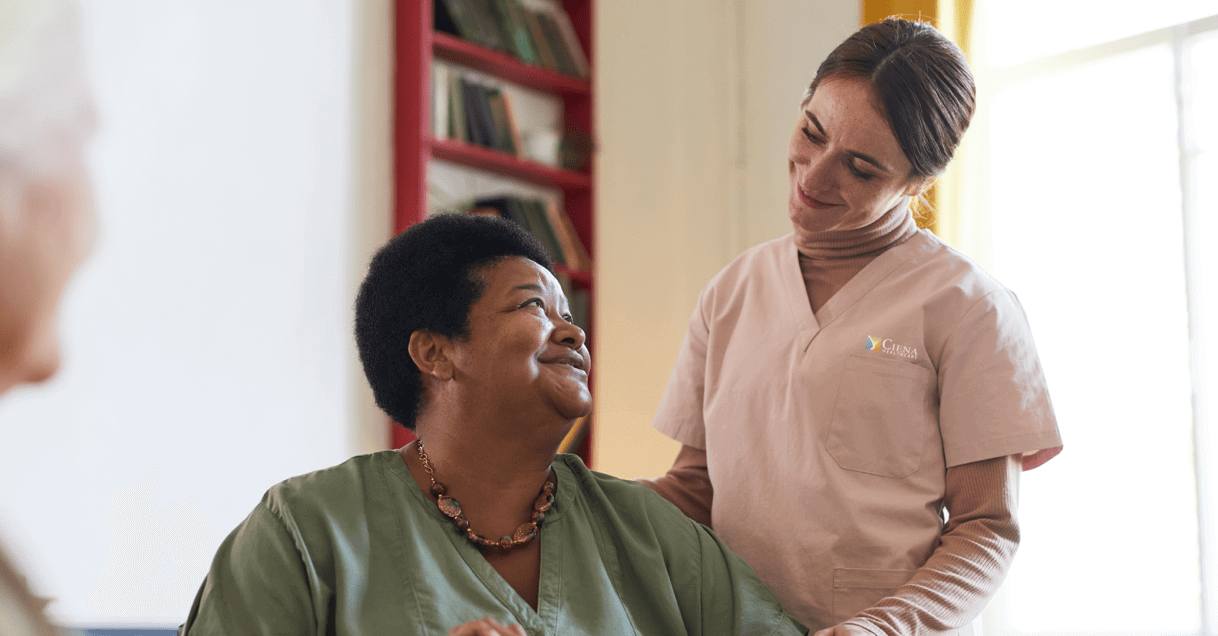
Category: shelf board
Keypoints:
(508, 165)
(457, 50)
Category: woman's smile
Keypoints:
(812, 202)
(569, 359)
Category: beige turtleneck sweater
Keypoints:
(982, 532)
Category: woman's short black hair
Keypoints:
(427, 278)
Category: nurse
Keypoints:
(856, 399)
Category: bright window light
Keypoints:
(1101, 206)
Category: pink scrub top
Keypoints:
(828, 435)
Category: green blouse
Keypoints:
(359, 549)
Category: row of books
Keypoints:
(472, 112)
(537, 32)
(543, 219)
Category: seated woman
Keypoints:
(464, 335)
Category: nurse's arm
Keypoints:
(972, 559)
(687, 484)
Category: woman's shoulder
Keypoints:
(625, 505)
(764, 256)
(933, 260)
(753, 278)
(332, 490)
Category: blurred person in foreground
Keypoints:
(45, 217)
(467, 339)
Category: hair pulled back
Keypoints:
(921, 80)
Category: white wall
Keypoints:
(241, 181)
(696, 100)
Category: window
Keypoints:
(1097, 138)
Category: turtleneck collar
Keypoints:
(892, 228)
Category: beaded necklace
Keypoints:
(451, 508)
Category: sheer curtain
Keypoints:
(1092, 171)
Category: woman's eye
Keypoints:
(808, 133)
(534, 302)
(569, 318)
(860, 174)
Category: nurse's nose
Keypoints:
(816, 176)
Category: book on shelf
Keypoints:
(544, 220)
(537, 32)
(468, 110)
(439, 101)
(525, 214)
(574, 254)
(455, 107)
(506, 138)
(562, 56)
(558, 31)
(472, 20)
(516, 30)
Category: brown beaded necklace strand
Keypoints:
(451, 508)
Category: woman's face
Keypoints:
(523, 355)
(846, 168)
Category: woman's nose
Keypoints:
(816, 175)
(568, 333)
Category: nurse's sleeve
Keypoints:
(679, 415)
(687, 484)
(973, 557)
(257, 584)
(993, 400)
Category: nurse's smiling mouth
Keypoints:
(815, 204)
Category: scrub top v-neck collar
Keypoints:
(549, 590)
(812, 323)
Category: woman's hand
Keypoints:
(843, 630)
(488, 627)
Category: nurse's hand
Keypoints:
(486, 627)
(843, 630)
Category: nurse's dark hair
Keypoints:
(427, 277)
(921, 80)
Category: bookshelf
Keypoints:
(417, 46)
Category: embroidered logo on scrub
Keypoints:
(888, 346)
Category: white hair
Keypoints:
(45, 109)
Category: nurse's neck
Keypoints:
(830, 259)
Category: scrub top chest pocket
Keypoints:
(882, 416)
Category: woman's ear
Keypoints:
(430, 352)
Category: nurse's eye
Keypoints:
(534, 302)
(865, 176)
(812, 138)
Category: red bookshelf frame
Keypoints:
(416, 45)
